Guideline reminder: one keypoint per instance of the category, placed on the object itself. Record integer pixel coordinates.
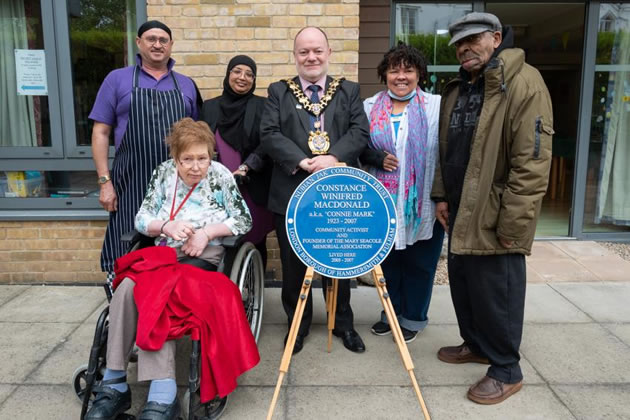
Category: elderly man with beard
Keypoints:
(301, 142)
(495, 154)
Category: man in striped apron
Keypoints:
(140, 103)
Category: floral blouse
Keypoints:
(216, 199)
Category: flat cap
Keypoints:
(471, 24)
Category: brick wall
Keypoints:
(51, 252)
(207, 34)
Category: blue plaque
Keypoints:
(341, 221)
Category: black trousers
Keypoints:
(488, 293)
(293, 271)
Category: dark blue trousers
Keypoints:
(409, 274)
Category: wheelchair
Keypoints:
(242, 262)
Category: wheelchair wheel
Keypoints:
(211, 410)
(79, 380)
(248, 274)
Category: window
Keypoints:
(425, 26)
(54, 56)
(607, 203)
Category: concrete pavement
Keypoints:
(575, 356)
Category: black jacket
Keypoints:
(284, 134)
(260, 173)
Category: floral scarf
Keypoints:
(381, 138)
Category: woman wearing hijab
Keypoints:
(234, 117)
(402, 153)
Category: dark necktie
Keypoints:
(314, 99)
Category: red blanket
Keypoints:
(177, 299)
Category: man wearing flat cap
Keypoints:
(139, 104)
(495, 154)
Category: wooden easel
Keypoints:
(331, 306)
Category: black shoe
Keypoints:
(157, 411)
(108, 402)
(408, 335)
(351, 340)
(381, 328)
(299, 342)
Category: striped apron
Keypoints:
(152, 112)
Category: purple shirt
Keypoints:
(114, 96)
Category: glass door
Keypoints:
(552, 36)
(607, 195)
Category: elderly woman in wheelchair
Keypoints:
(190, 204)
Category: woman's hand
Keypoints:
(390, 163)
(196, 243)
(178, 229)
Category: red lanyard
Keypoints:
(172, 217)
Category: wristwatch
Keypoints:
(104, 179)
(243, 168)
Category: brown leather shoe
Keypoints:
(491, 391)
(460, 354)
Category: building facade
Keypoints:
(55, 55)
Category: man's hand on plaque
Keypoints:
(323, 162)
(306, 164)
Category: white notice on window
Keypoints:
(30, 71)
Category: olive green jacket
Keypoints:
(510, 157)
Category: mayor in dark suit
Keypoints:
(311, 122)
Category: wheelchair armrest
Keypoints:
(131, 236)
(232, 241)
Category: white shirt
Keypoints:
(404, 233)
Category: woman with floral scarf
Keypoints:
(402, 154)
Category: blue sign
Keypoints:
(341, 221)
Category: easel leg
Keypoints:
(288, 349)
(379, 282)
(331, 305)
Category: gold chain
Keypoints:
(314, 108)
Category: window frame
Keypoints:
(64, 154)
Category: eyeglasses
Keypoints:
(190, 163)
(153, 39)
(472, 39)
(247, 74)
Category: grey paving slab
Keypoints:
(248, 402)
(604, 302)
(92, 319)
(381, 363)
(352, 403)
(50, 402)
(59, 366)
(53, 304)
(270, 347)
(272, 309)
(431, 371)
(544, 304)
(620, 330)
(441, 310)
(576, 353)
(8, 292)
(577, 249)
(532, 402)
(596, 401)
(5, 391)
(29, 344)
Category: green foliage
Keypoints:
(444, 54)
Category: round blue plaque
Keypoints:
(341, 221)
